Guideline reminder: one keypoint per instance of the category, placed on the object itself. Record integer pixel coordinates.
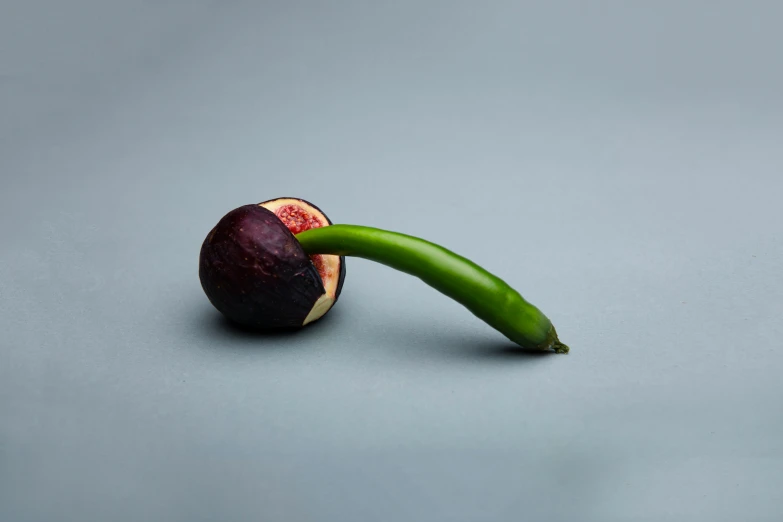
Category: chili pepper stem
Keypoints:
(559, 347)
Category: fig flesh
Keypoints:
(254, 271)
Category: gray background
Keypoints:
(620, 163)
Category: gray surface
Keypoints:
(621, 165)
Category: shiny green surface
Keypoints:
(488, 297)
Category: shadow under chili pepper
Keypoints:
(468, 347)
(507, 350)
(481, 350)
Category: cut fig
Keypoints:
(255, 272)
(300, 215)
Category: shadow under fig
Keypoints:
(216, 326)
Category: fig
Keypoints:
(254, 271)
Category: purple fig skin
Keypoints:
(255, 272)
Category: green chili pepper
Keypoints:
(488, 297)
